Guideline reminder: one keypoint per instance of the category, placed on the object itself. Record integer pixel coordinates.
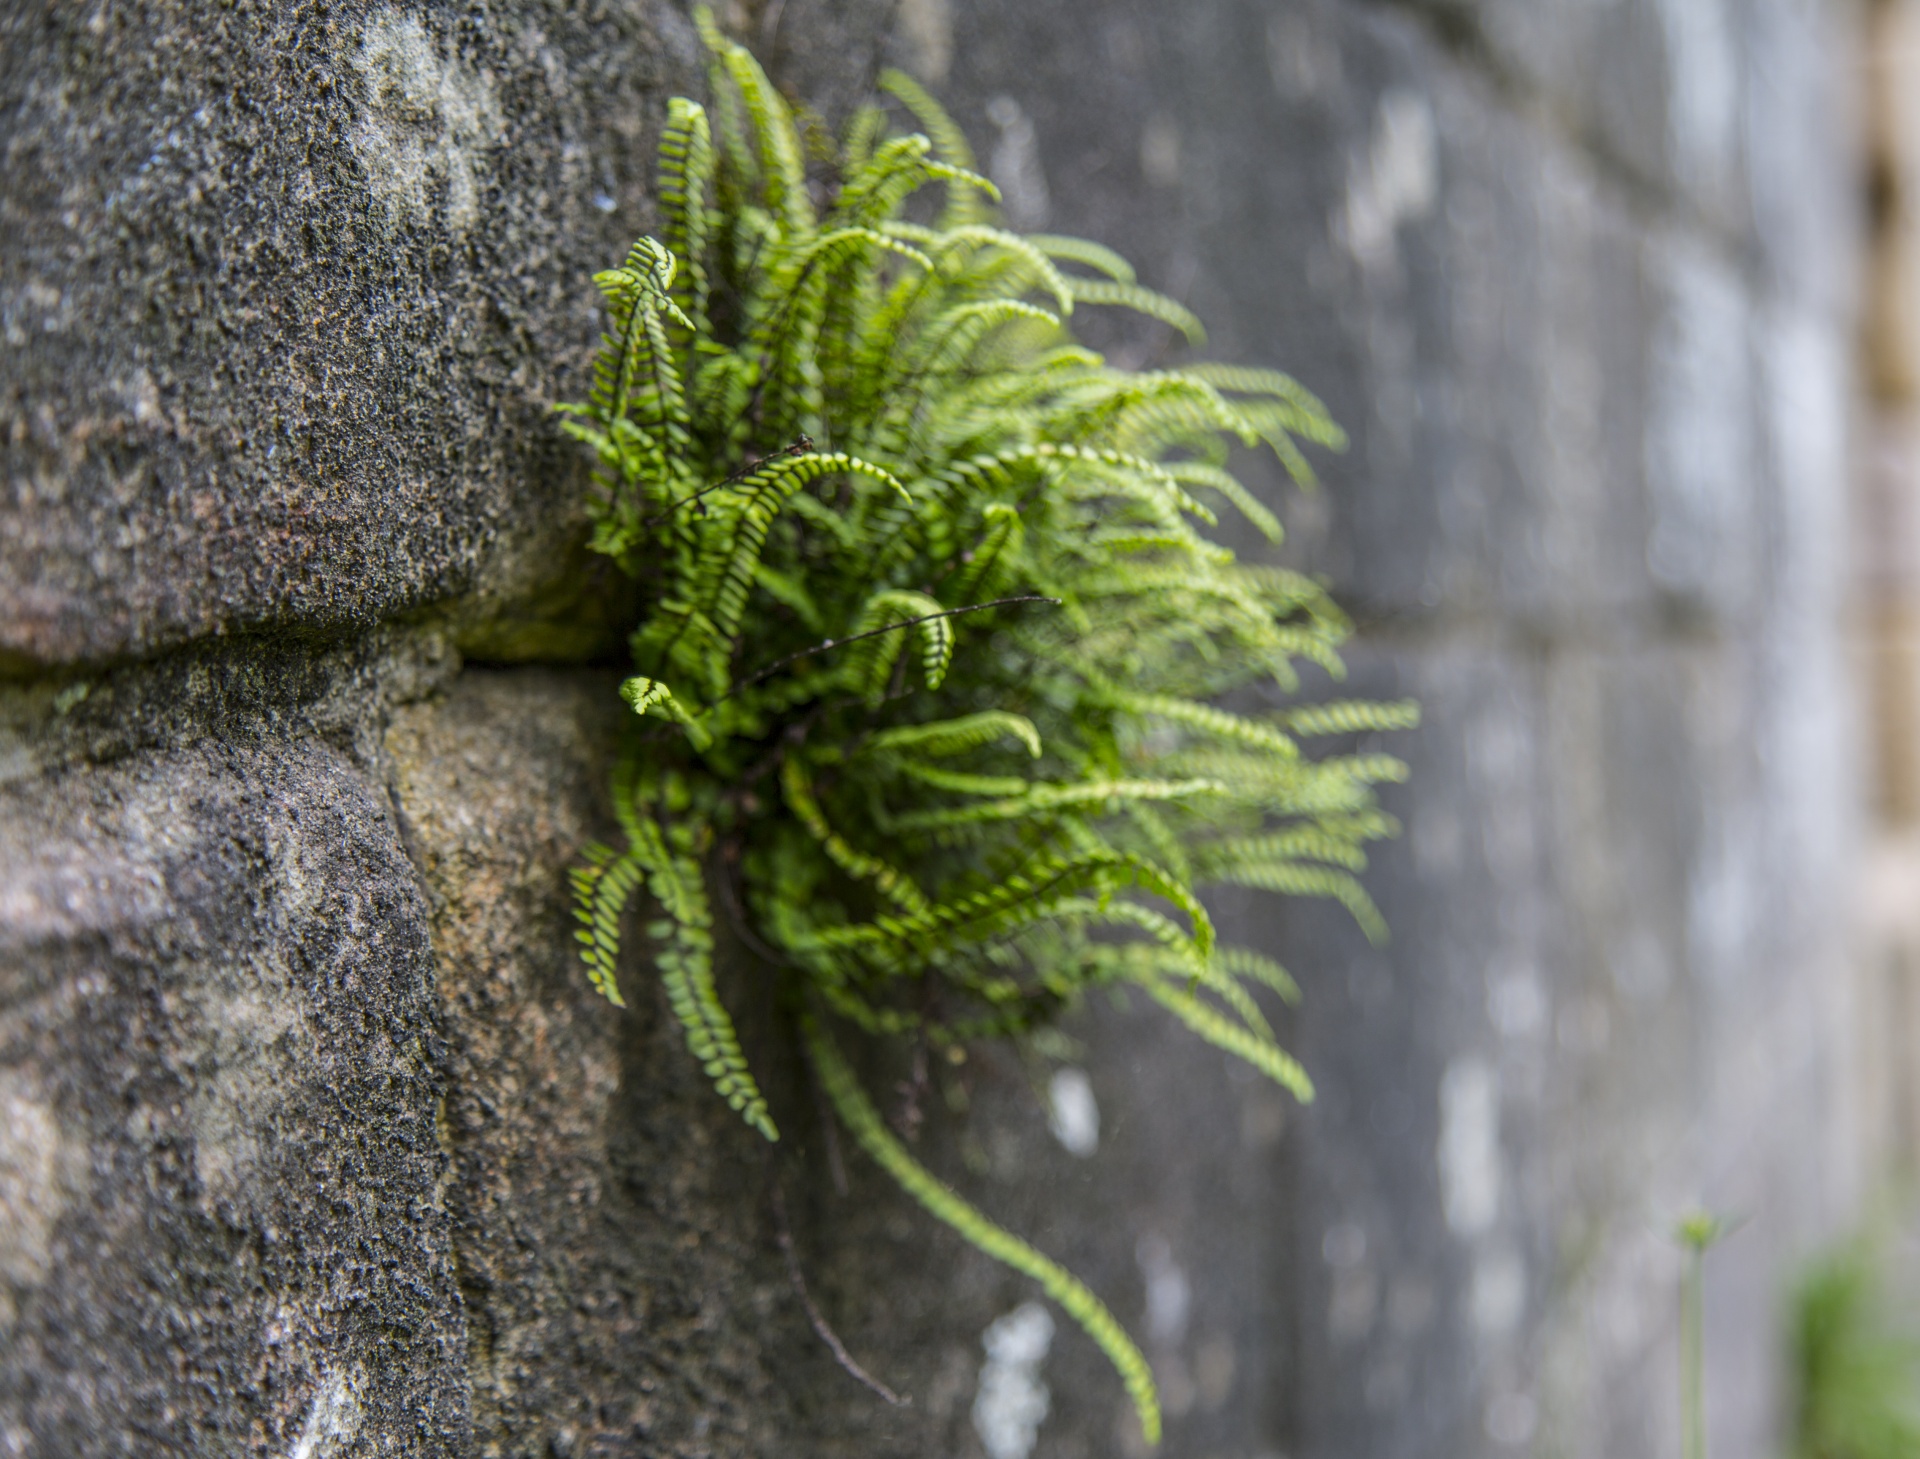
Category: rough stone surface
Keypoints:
(620, 1290)
(219, 1218)
(617, 1252)
(315, 1141)
(288, 293)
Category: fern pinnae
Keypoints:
(955, 736)
(1140, 301)
(959, 782)
(601, 891)
(1217, 858)
(1031, 895)
(873, 659)
(896, 885)
(1205, 718)
(1305, 879)
(950, 144)
(1239, 1001)
(685, 176)
(1219, 1030)
(846, 446)
(864, 127)
(1305, 415)
(686, 968)
(763, 494)
(1213, 478)
(978, 568)
(949, 340)
(779, 149)
(1244, 962)
(1033, 269)
(1084, 251)
(1367, 769)
(1353, 716)
(1042, 799)
(899, 170)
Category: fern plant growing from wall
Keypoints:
(933, 628)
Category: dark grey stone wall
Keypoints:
(316, 1141)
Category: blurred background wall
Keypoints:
(1886, 575)
(315, 1140)
(1581, 281)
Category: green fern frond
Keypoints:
(1312, 842)
(782, 173)
(686, 972)
(1208, 720)
(1215, 478)
(896, 884)
(965, 200)
(957, 736)
(1353, 716)
(1043, 800)
(1140, 301)
(1223, 1033)
(863, 1121)
(962, 783)
(1244, 962)
(1304, 879)
(894, 529)
(650, 696)
(1083, 251)
(686, 177)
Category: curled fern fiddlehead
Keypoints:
(932, 629)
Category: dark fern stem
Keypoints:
(978, 770)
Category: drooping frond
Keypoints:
(856, 1111)
(1140, 301)
(934, 624)
(1095, 256)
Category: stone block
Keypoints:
(287, 300)
(608, 1211)
(220, 1220)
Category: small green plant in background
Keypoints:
(933, 630)
(1854, 1348)
(1697, 1233)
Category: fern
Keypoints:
(932, 630)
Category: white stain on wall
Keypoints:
(1703, 79)
(1015, 165)
(1497, 1298)
(33, 1160)
(1169, 1294)
(1469, 1153)
(428, 121)
(1700, 432)
(332, 1423)
(1012, 1401)
(1396, 181)
(1072, 1112)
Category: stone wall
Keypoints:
(316, 1141)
